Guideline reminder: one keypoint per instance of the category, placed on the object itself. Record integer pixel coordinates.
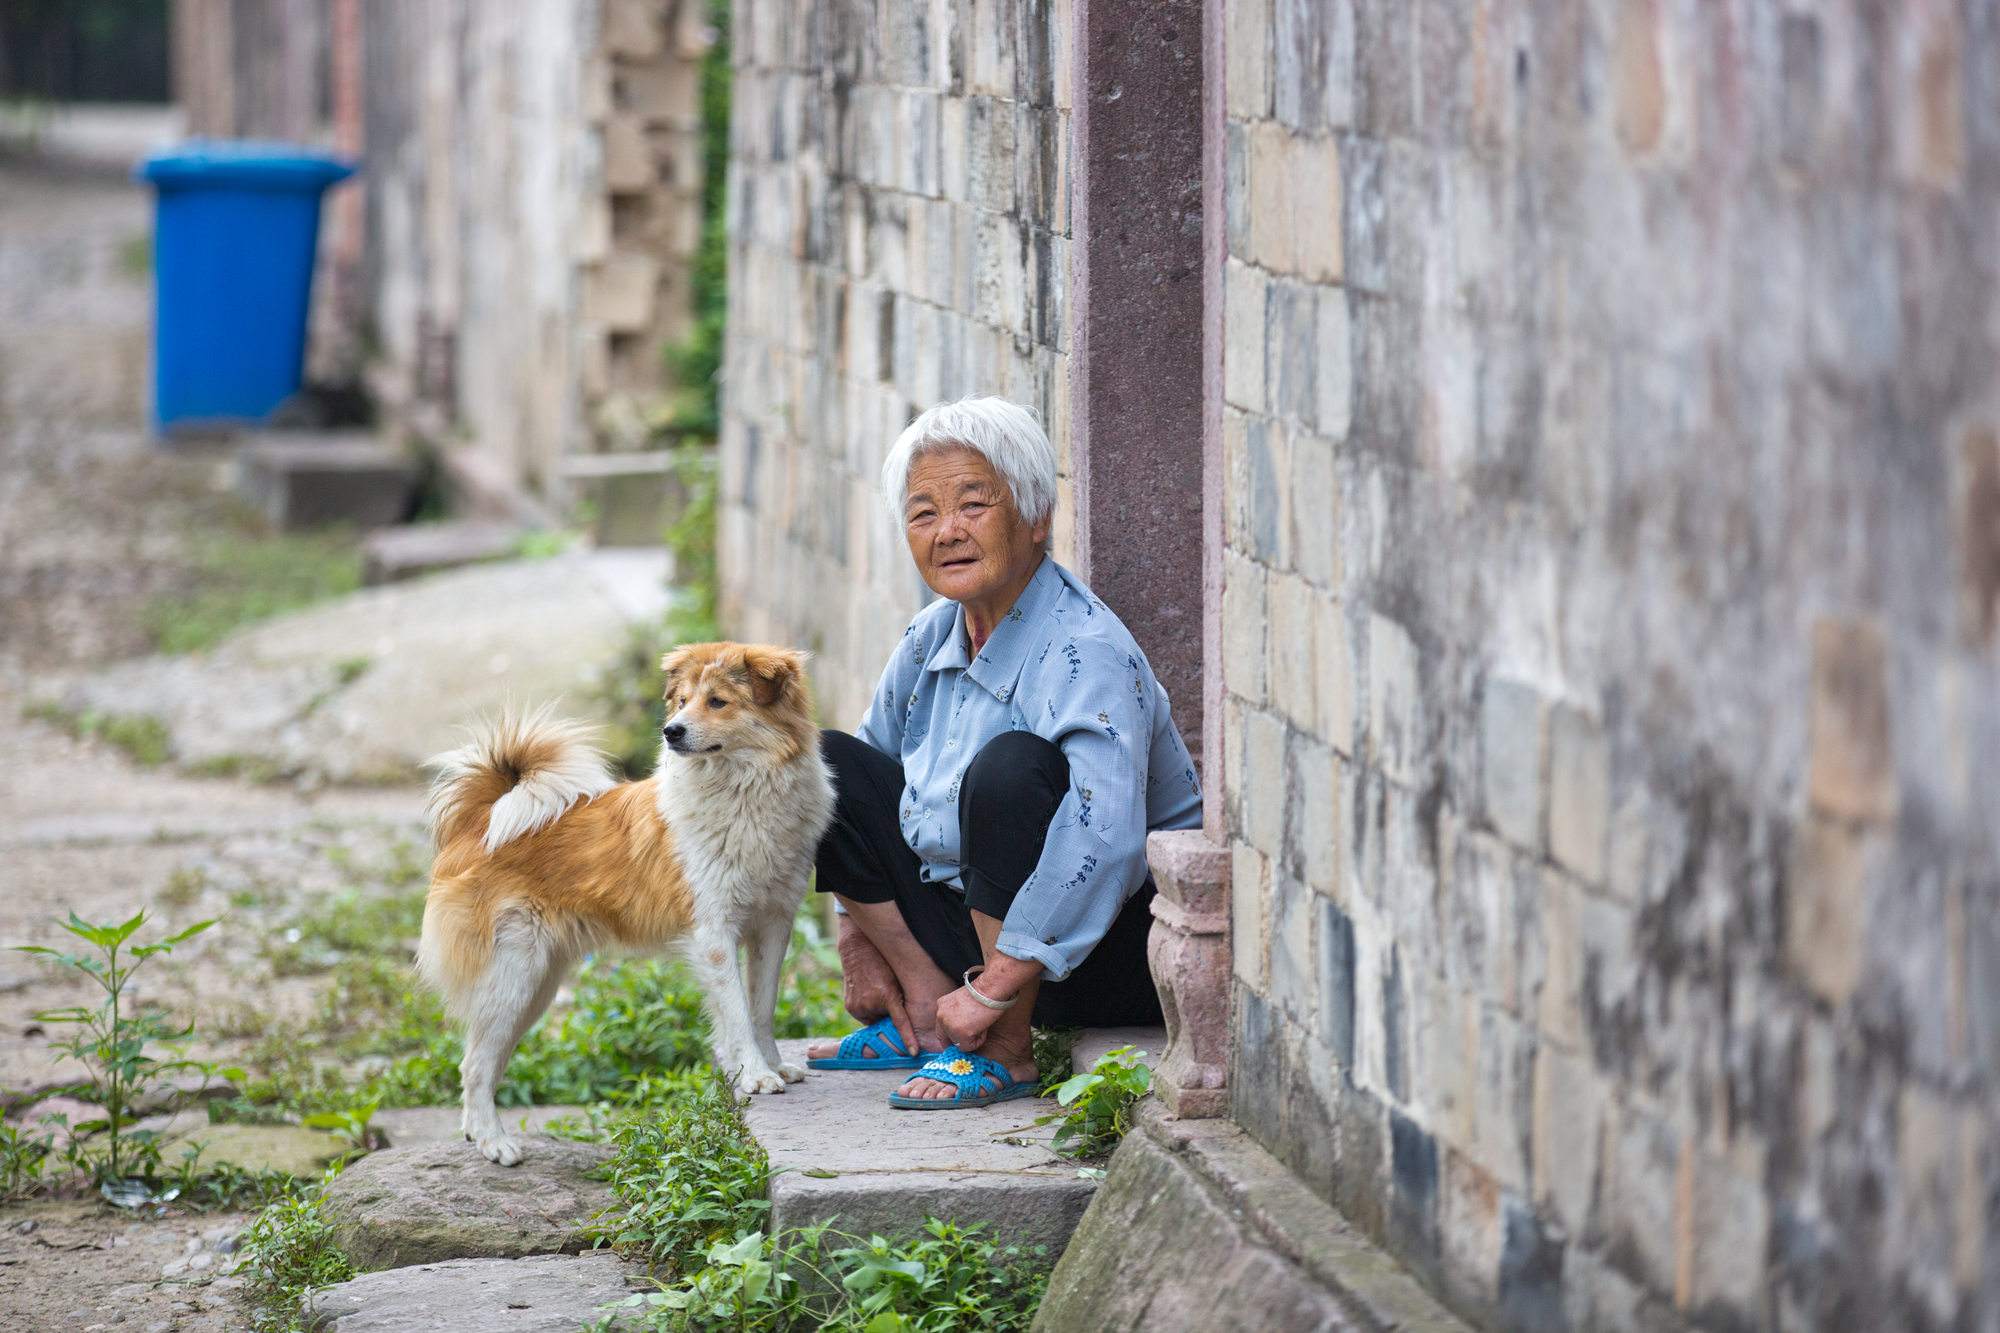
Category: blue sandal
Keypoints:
(969, 1074)
(880, 1037)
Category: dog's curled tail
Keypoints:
(516, 775)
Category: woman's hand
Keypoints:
(869, 988)
(965, 1020)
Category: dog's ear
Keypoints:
(675, 664)
(773, 672)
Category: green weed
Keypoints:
(352, 923)
(686, 1172)
(694, 362)
(543, 543)
(243, 578)
(184, 887)
(289, 1252)
(259, 770)
(24, 1158)
(143, 737)
(1052, 1048)
(691, 1186)
(628, 1020)
(115, 1043)
(1100, 1102)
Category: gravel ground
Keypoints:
(95, 522)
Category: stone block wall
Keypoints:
(534, 198)
(1612, 647)
(898, 220)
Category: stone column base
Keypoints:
(1189, 955)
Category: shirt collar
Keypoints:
(999, 663)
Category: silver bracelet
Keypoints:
(986, 1000)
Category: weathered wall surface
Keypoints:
(1613, 647)
(530, 198)
(898, 220)
(535, 179)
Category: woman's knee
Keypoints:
(840, 749)
(1014, 769)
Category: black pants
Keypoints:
(1009, 796)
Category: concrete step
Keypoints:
(409, 550)
(307, 479)
(552, 1293)
(839, 1153)
(1094, 1043)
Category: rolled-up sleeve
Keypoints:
(1096, 708)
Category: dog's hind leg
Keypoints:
(712, 955)
(765, 945)
(520, 980)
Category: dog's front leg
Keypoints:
(766, 944)
(736, 1049)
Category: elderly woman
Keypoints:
(988, 847)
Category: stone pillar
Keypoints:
(1145, 395)
(1135, 292)
(1189, 954)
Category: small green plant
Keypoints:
(543, 543)
(1099, 1103)
(289, 1252)
(184, 887)
(350, 1125)
(686, 1172)
(946, 1279)
(111, 1041)
(244, 577)
(210, 1186)
(24, 1158)
(143, 737)
(1051, 1048)
(737, 1284)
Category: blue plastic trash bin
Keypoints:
(235, 231)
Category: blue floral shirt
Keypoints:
(1061, 665)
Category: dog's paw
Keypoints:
(789, 1072)
(753, 1081)
(499, 1148)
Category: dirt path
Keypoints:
(95, 523)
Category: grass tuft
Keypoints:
(143, 737)
(241, 579)
(288, 1253)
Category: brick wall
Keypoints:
(898, 221)
(1612, 641)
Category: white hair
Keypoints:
(1005, 434)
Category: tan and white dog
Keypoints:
(543, 857)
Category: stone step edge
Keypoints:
(1283, 1212)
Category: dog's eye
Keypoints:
(717, 701)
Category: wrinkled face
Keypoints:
(727, 699)
(968, 539)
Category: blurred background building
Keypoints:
(521, 244)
